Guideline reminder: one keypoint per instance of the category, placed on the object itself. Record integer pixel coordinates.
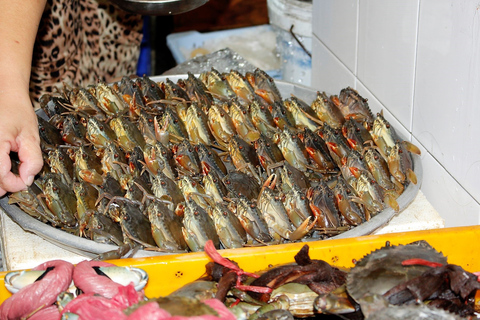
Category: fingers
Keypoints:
(31, 160)
(9, 182)
(31, 163)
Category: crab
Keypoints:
(411, 274)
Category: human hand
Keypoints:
(18, 133)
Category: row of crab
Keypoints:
(220, 156)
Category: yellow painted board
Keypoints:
(167, 273)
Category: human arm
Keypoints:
(18, 123)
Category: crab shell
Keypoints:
(381, 270)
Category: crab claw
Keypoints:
(150, 161)
(303, 229)
(316, 211)
(185, 162)
(279, 122)
(161, 134)
(205, 167)
(391, 201)
(336, 101)
(267, 96)
(324, 219)
(352, 143)
(271, 181)
(180, 210)
(263, 161)
(355, 171)
(311, 151)
(91, 176)
(412, 148)
(412, 177)
(332, 146)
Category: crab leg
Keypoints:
(422, 262)
(213, 253)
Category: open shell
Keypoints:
(16, 280)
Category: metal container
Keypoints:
(91, 249)
(158, 7)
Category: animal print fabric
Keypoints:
(82, 41)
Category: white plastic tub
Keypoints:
(296, 62)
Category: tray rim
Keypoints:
(92, 249)
(158, 7)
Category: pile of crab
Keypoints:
(167, 166)
(412, 281)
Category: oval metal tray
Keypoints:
(158, 7)
(91, 249)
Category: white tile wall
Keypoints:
(448, 87)
(336, 23)
(376, 106)
(332, 74)
(451, 201)
(420, 62)
(386, 52)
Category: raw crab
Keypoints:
(410, 274)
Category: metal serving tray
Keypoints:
(158, 7)
(91, 249)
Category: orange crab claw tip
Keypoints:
(205, 167)
(316, 210)
(354, 171)
(263, 161)
(310, 150)
(332, 146)
(353, 144)
(336, 101)
(179, 210)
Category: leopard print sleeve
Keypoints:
(82, 41)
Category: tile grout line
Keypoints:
(357, 32)
(414, 71)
